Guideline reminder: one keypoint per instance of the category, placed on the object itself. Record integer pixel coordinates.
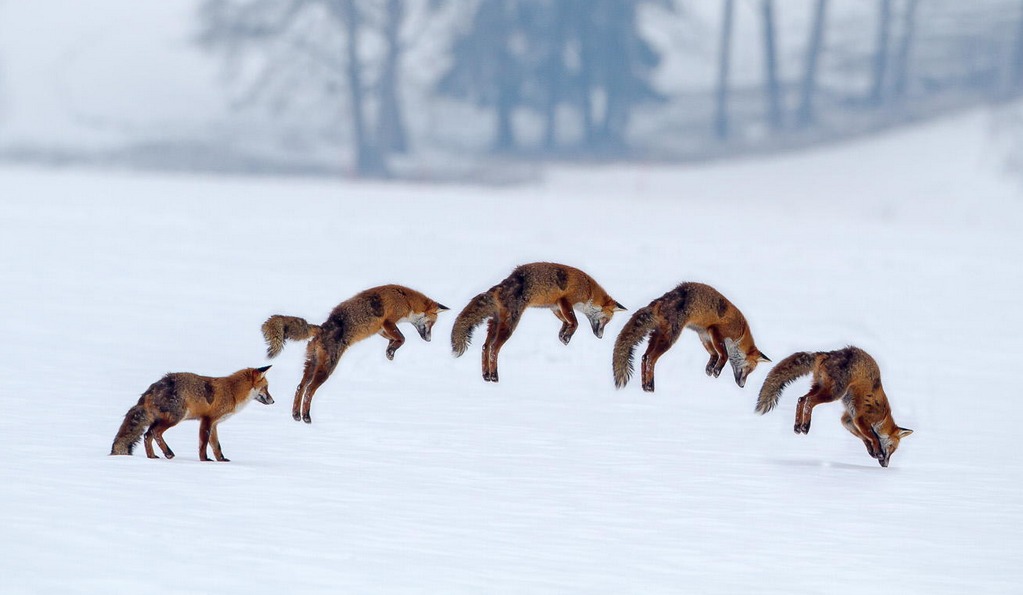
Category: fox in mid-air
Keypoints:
(849, 374)
(378, 310)
(558, 287)
(183, 395)
(721, 326)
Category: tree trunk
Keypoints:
(884, 20)
(808, 89)
(721, 123)
(368, 160)
(905, 46)
(390, 121)
(1016, 65)
(555, 73)
(771, 87)
(504, 139)
(586, 68)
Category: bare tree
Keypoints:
(901, 65)
(884, 21)
(390, 128)
(808, 88)
(724, 63)
(771, 87)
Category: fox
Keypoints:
(183, 395)
(377, 310)
(722, 328)
(849, 374)
(536, 285)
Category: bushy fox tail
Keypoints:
(135, 423)
(783, 374)
(277, 329)
(638, 326)
(476, 311)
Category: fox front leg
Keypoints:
(394, 336)
(709, 346)
(563, 310)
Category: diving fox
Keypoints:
(373, 311)
(722, 328)
(537, 285)
(849, 374)
(183, 395)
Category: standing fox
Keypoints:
(537, 285)
(373, 311)
(722, 328)
(849, 374)
(180, 396)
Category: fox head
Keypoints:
(743, 361)
(260, 386)
(889, 437)
(600, 314)
(424, 321)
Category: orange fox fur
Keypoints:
(374, 311)
(180, 396)
(558, 287)
(722, 328)
(848, 374)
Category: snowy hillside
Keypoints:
(416, 476)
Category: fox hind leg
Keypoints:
(324, 368)
(303, 385)
(504, 331)
(488, 347)
(658, 344)
(158, 429)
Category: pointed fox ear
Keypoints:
(442, 308)
(764, 358)
(619, 308)
(903, 432)
(263, 369)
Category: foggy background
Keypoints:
(481, 90)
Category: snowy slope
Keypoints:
(416, 476)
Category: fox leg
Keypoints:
(147, 441)
(307, 377)
(204, 437)
(659, 343)
(709, 346)
(394, 336)
(563, 310)
(488, 347)
(505, 328)
(847, 421)
(718, 344)
(323, 371)
(215, 443)
(804, 406)
(157, 430)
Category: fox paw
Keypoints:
(389, 354)
(306, 418)
(296, 416)
(648, 386)
(565, 337)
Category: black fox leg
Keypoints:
(204, 437)
(489, 365)
(563, 310)
(504, 331)
(394, 336)
(303, 385)
(158, 429)
(215, 443)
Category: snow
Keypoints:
(416, 476)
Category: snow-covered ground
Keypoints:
(416, 476)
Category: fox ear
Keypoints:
(442, 308)
(903, 432)
(764, 358)
(619, 308)
(263, 369)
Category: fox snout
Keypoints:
(264, 398)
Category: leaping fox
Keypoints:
(373, 311)
(183, 395)
(537, 285)
(722, 328)
(848, 374)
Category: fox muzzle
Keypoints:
(264, 398)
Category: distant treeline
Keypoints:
(583, 71)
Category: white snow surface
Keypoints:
(416, 476)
